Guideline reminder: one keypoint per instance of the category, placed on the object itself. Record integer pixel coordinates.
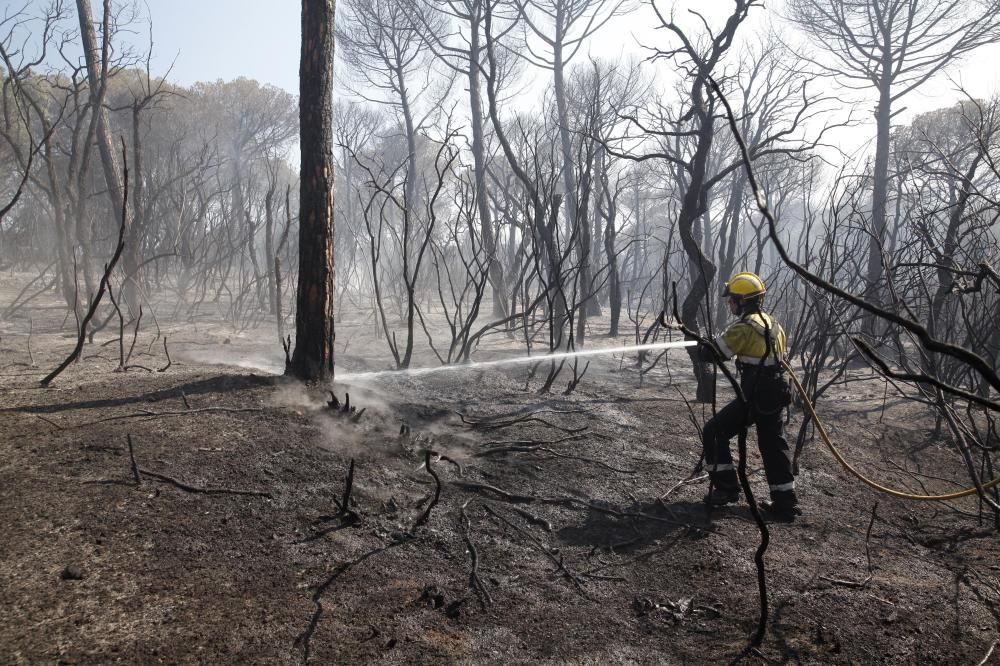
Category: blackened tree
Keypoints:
(314, 329)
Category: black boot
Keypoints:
(782, 507)
(722, 496)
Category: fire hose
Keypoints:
(861, 477)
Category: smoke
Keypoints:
(224, 355)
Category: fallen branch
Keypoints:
(593, 461)
(206, 491)
(989, 653)
(560, 566)
(152, 415)
(533, 519)
(497, 425)
(862, 584)
(303, 639)
(521, 445)
(571, 502)
(474, 581)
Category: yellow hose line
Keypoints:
(877, 486)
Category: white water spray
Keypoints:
(520, 360)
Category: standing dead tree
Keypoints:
(314, 325)
(893, 47)
(464, 52)
(98, 64)
(105, 279)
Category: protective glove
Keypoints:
(706, 352)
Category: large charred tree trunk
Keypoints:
(880, 189)
(701, 270)
(314, 331)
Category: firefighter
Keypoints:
(758, 342)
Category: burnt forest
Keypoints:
(432, 353)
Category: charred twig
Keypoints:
(489, 425)
(346, 408)
(985, 660)
(303, 639)
(449, 459)
(286, 344)
(533, 519)
(347, 516)
(592, 461)
(50, 422)
(862, 584)
(167, 352)
(694, 478)
(474, 581)
(437, 493)
(131, 455)
(503, 494)
(345, 502)
(638, 558)
(500, 446)
(31, 357)
(577, 378)
(121, 330)
(568, 501)
(152, 415)
(533, 448)
(920, 378)
(135, 336)
(206, 491)
(549, 552)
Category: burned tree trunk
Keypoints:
(97, 72)
(314, 332)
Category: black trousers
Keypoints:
(774, 449)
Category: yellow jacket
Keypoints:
(745, 339)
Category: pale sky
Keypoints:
(213, 39)
(225, 39)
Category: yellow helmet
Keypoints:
(745, 286)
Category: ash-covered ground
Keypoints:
(547, 528)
